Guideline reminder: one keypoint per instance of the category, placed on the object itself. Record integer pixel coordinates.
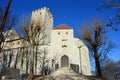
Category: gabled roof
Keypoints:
(62, 26)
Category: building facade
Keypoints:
(59, 49)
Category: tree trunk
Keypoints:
(16, 61)
(4, 59)
(5, 15)
(10, 58)
(22, 60)
(3, 23)
(32, 61)
(98, 69)
(27, 61)
(36, 60)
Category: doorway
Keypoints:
(64, 61)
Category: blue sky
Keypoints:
(70, 12)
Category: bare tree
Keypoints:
(93, 35)
(22, 57)
(114, 20)
(4, 18)
(44, 60)
(27, 60)
(33, 35)
(110, 69)
(7, 21)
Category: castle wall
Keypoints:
(57, 43)
(61, 38)
(83, 52)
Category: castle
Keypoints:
(58, 49)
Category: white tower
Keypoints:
(44, 18)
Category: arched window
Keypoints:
(64, 61)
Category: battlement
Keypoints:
(44, 8)
(42, 11)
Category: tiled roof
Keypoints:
(62, 26)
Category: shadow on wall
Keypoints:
(75, 67)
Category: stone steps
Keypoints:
(64, 73)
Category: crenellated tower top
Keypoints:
(43, 18)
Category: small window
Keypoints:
(18, 42)
(59, 33)
(64, 45)
(11, 34)
(66, 32)
(64, 39)
(52, 62)
(39, 29)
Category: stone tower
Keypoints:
(44, 18)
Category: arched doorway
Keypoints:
(64, 61)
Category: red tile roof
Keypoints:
(62, 26)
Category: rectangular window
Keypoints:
(64, 42)
(52, 62)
